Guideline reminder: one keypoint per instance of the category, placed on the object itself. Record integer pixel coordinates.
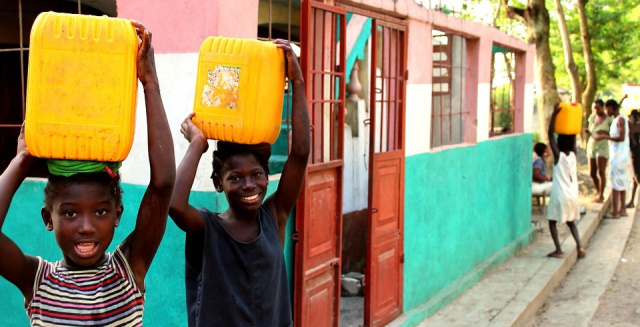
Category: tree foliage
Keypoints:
(614, 27)
(615, 30)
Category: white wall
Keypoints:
(418, 119)
(356, 163)
(529, 99)
(483, 111)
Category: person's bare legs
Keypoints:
(623, 208)
(576, 236)
(614, 204)
(593, 169)
(631, 203)
(553, 229)
(602, 167)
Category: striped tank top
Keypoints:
(104, 296)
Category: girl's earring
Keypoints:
(49, 227)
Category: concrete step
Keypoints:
(512, 293)
(576, 300)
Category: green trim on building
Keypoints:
(462, 205)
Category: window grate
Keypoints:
(449, 71)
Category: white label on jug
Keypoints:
(221, 89)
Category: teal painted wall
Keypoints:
(461, 206)
(165, 298)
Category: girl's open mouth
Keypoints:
(86, 249)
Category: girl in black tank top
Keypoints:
(235, 274)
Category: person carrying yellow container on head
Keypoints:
(83, 206)
(235, 273)
(564, 201)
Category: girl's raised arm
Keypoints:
(552, 141)
(141, 245)
(282, 201)
(15, 266)
(188, 218)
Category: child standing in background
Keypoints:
(564, 202)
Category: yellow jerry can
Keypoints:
(81, 87)
(239, 90)
(569, 119)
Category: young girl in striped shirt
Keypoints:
(89, 286)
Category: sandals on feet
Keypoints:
(611, 216)
(555, 254)
(581, 253)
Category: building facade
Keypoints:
(420, 173)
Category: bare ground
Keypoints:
(620, 304)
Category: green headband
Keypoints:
(68, 168)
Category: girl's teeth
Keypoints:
(249, 198)
(85, 247)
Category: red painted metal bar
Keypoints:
(383, 74)
(332, 88)
(343, 81)
(322, 15)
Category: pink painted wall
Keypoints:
(420, 45)
(181, 26)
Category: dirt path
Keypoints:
(620, 304)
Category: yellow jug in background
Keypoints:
(569, 119)
(81, 87)
(239, 90)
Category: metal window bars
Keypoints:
(447, 98)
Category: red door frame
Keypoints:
(385, 228)
(319, 207)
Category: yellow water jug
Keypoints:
(239, 90)
(569, 119)
(81, 87)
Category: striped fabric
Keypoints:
(104, 296)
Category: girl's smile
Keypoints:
(244, 182)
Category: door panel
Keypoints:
(319, 208)
(387, 178)
(383, 290)
(387, 256)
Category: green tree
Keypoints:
(614, 28)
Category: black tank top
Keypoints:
(230, 283)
